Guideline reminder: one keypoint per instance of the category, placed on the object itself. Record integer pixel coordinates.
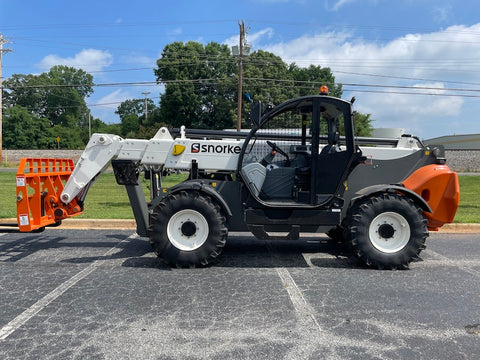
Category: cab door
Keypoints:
(333, 148)
(295, 156)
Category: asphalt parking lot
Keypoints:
(102, 294)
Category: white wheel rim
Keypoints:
(187, 230)
(389, 232)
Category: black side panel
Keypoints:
(385, 172)
(292, 217)
(329, 171)
(230, 191)
(226, 193)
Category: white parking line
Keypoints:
(304, 311)
(21, 319)
(465, 265)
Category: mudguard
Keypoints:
(199, 185)
(375, 189)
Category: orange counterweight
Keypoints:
(40, 182)
(438, 186)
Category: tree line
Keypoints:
(200, 92)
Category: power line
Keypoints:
(221, 81)
(114, 24)
(405, 78)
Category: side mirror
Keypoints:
(255, 114)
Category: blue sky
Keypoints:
(398, 58)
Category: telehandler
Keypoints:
(300, 169)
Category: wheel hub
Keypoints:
(188, 228)
(386, 231)
(389, 232)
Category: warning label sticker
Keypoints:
(21, 181)
(23, 220)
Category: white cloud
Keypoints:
(175, 32)
(140, 60)
(104, 107)
(442, 13)
(252, 38)
(343, 52)
(257, 36)
(113, 99)
(339, 3)
(88, 59)
(414, 112)
(439, 59)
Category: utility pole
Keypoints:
(89, 124)
(2, 41)
(146, 106)
(240, 74)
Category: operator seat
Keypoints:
(332, 146)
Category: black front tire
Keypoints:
(187, 229)
(387, 231)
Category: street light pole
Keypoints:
(146, 106)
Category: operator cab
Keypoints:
(295, 156)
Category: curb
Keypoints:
(97, 224)
(88, 224)
(130, 224)
(460, 228)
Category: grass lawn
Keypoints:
(107, 200)
(469, 209)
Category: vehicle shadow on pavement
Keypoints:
(135, 251)
(311, 252)
(243, 251)
(15, 250)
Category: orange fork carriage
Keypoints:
(40, 182)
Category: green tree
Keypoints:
(58, 95)
(98, 126)
(133, 106)
(363, 124)
(23, 130)
(69, 137)
(55, 98)
(134, 123)
(310, 79)
(199, 85)
(130, 124)
(266, 77)
(27, 91)
(66, 97)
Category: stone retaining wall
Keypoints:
(14, 156)
(458, 160)
(463, 160)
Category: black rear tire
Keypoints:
(387, 231)
(187, 229)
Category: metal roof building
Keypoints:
(457, 142)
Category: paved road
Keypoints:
(85, 294)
